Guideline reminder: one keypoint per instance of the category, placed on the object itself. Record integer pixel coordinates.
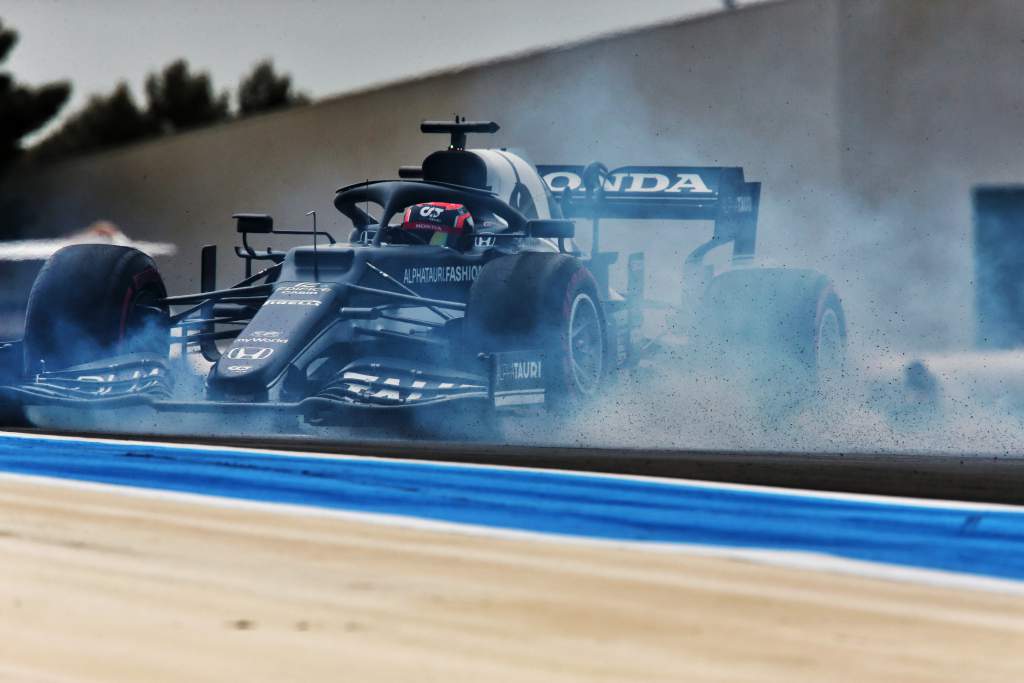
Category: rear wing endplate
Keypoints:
(689, 193)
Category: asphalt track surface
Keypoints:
(978, 540)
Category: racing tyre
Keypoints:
(92, 301)
(11, 412)
(548, 301)
(783, 330)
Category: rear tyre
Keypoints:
(783, 330)
(549, 302)
(92, 301)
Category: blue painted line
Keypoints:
(987, 542)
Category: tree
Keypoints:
(263, 90)
(179, 100)
(105, 121)
(23, 109)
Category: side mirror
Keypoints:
(254, 222)
(551, 228)
(410, 172)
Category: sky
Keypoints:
(329, 46)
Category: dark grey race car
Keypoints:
(461, 283)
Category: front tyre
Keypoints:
(93, 301)
(547, 302)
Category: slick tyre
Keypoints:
(93, 301)
(782, 330)
(545, 301)
(12, 413)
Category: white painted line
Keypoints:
(807, 561)
(753, 488)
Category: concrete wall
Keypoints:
(931, 104)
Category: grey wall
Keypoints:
(932, 103)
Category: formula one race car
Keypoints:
(461, 283)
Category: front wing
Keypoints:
(513, 379)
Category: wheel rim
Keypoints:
(144, 325)
(830, 345)
(586, 344)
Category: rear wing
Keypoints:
(685, 193)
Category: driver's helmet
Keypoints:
(440, 224)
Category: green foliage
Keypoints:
(264, 90)
(109, 120)
(23, 109)
(179, 100)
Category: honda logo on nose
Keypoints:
(248, 353)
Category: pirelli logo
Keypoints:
(292, 302)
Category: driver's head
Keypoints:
(440, 224)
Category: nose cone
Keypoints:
(265, 348)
